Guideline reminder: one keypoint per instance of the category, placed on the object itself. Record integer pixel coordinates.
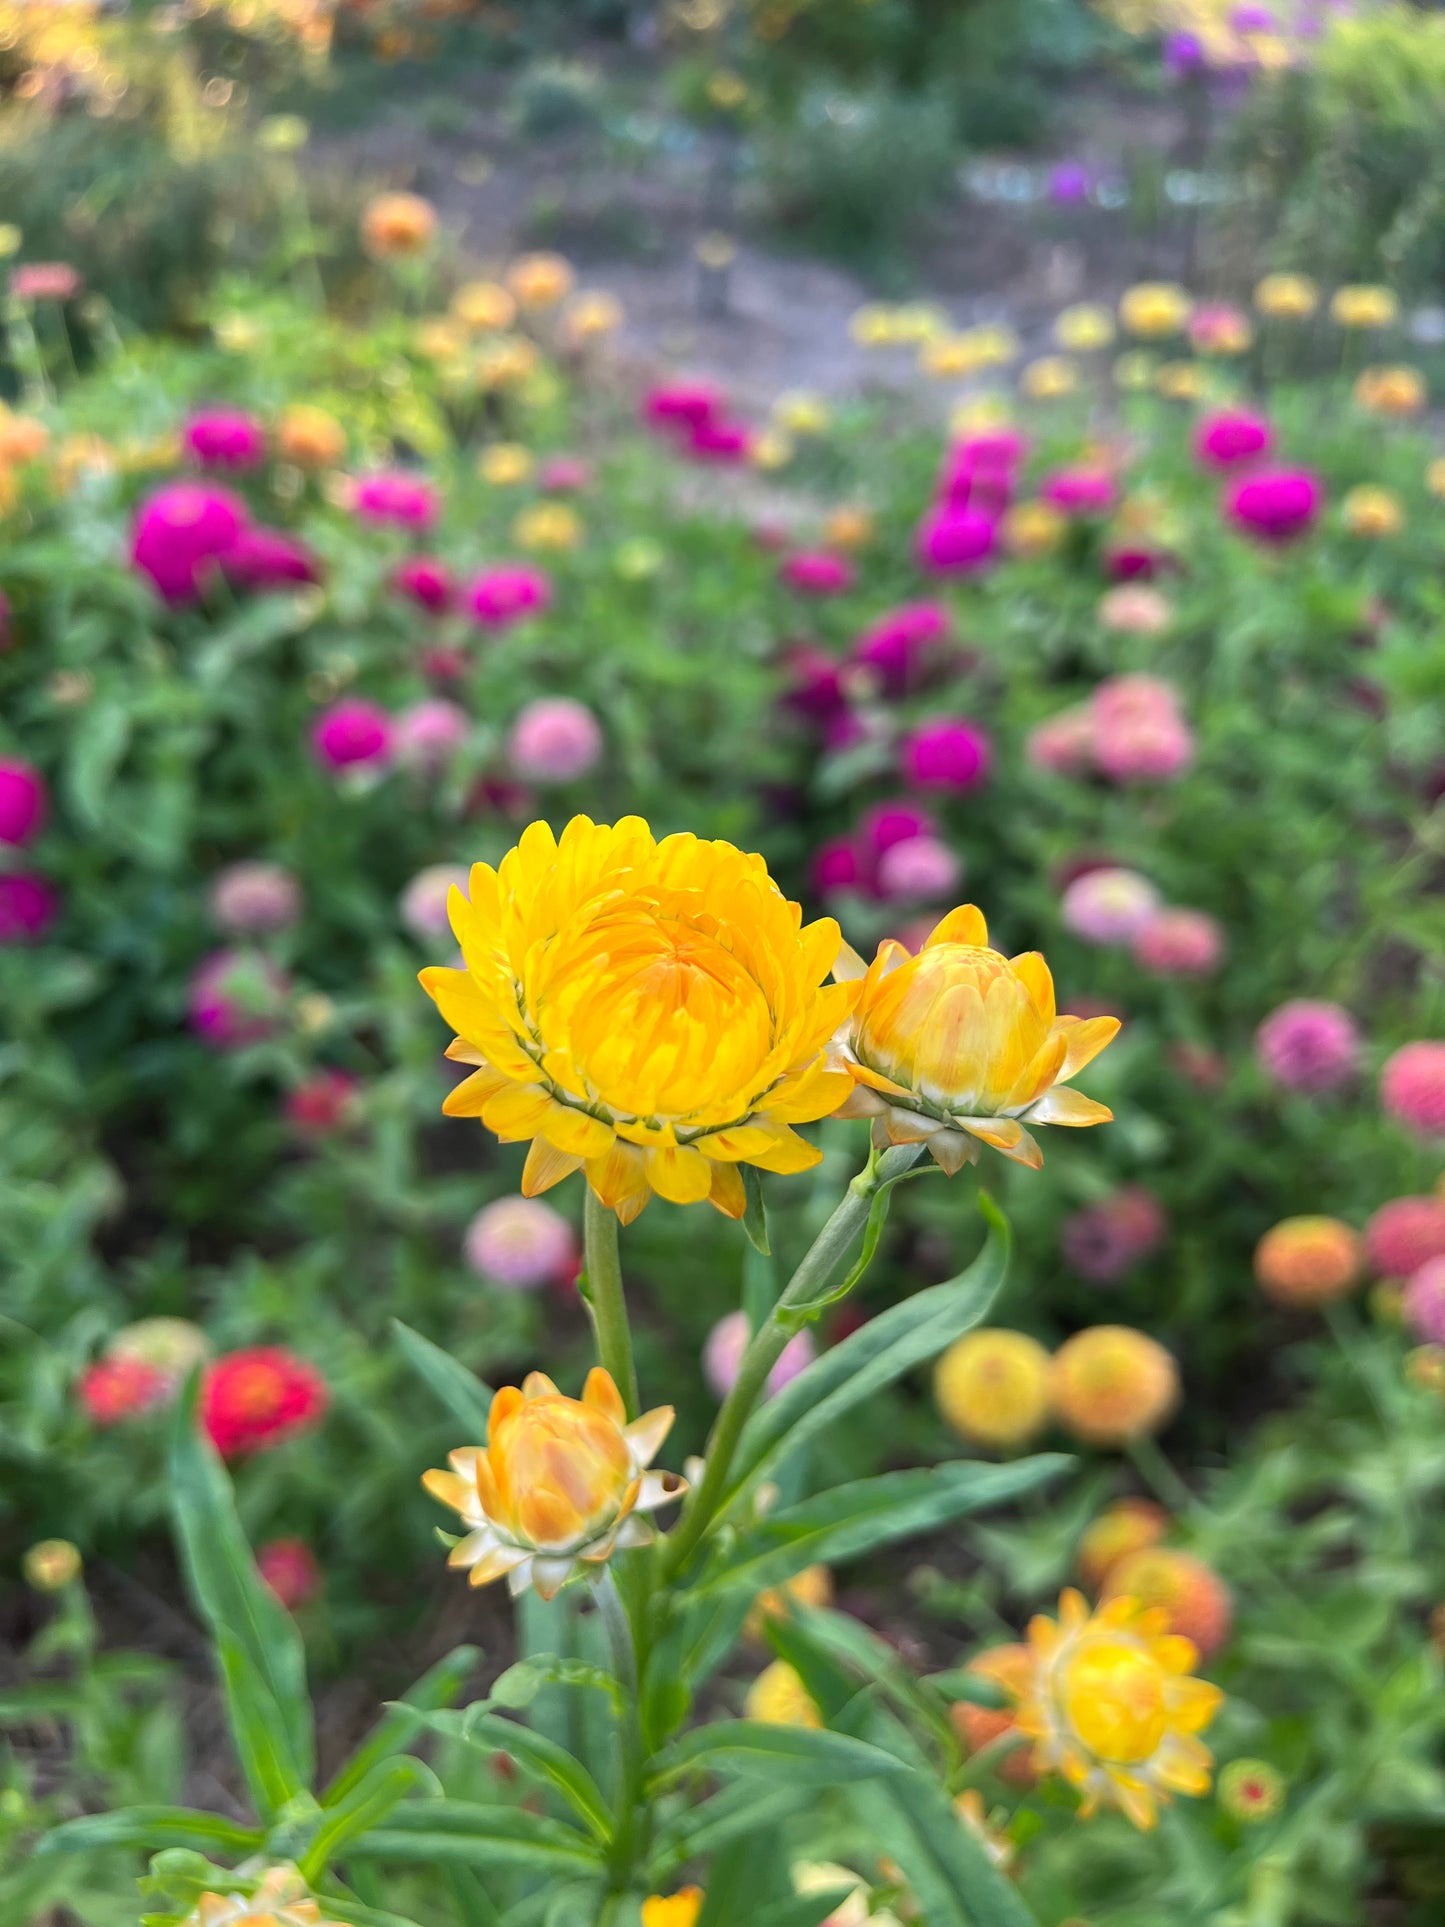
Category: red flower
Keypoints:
(322, 1104)
(255, 1398)
(289, 1568)
(120, 1387)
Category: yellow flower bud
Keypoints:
(778, 1697)
(591, 315)
(560, 1481)
(813, 1586)
(1049, 378)
(1309, 1261)
(51, 1565)
(961, 1046)
(1129, 1526)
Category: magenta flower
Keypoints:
(817, 573)
(714, 440)
(395, 497)
(1405, 1234)
(1276, 506)
(426, 582)
(24, 802)
(896, 646)
(353, 733)
(506, 594)
(29, 905)
(45, 281)
(1105, 1240)
(268, 559)
(1079, 491)
(225, 438)
(674, 404)
(951, 754)
(1308, 1046)
(956, 541)
(815, 683)
(564, 474)
(181, 532)
(1231, 437)
(836, 866)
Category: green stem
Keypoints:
(606, 1302)
(1165, 1483)
(826, 1253)
(625, 1839)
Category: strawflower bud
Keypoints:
(961, 1046)
(1251, 1791)
(1132, 1525)
(673, 1910)
(1191, 1595)
(51, 1565)
(278, 1899)
(559, 1486)
(1111, 1384)
(992, 1387)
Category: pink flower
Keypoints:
(1424, 1302)
(289, 1568)
(393, 496)
(1143, 749)
(351, 734)
(1079, 491)
(682, 403)
(520, 1244)
(426, 582)
(424, 900)
(255, 899)
(836, 866)
(1105, 1240)
(956, 541)
(1405, 1234)
(268, 559)
(120, 1386)
(235, 998)
(1235, 435)
(1064, 744)
(45, 281)
(29, 905)
(1179, 943)
(24, 803)
(817, 573)
(1135, 609)
(722, 1356)
(918, 869)
(225, 438)
(503, 595)
(564, 474)
(1308, 1046)
(1275, 506)
(719, 441)
(554, 740)
(181, 532)
(429, 733)
(1109, 906)
(1121, 699)
(895, 647)
(1412, 1087)
(323, 1103)
(951, 754)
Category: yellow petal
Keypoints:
(471, 1096)
(788, 1153)
(1064, 1105)
(601, 1391)
(727, 1192)
(516, 1112)
(545, 1166)
(1085, 1038)
(679, 1174)
(447, 1488)
(574, 1132)
(964, 925)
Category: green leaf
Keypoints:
(520, 1684)
(755, 1213)
(874, 1356)
(460, 1391)
(436, 1688)
(249, 633)
(945, 1863)
(262, 1660)
(534, 1753)
(857, 1518)
(795, 1755)
(368, 1803)
(792, 1318)
(845, 1640)
(151, 1829)
(443, 1832)
(739, 1811)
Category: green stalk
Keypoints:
(625, 1840)
(605, 1300)
(826, 1253)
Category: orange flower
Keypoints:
(396, 227)
(1309, 1261)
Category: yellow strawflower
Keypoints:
(1287, 297)
(1111, 1384)
(560, 1483)
(672, 1910)
(1084, 328)
(1153, 309)
(778, 1697)
(1180, 380)
(992, 1387)
(1049, 378)
(547, 526)
(1111, 1705)
(653, 1012)
(1391, 391)
(1364, 306)
(591, 315)
(961, 1046)
(1372, 512)
(540, 280)
(505, 464)
(484, 306)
